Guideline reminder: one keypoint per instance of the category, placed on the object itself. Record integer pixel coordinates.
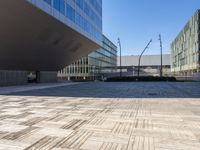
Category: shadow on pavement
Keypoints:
(121, 90)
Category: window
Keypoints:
(62, 7)
(59, 5)
(48, 1)
(77, 19)
(70, 13)
(56, 4)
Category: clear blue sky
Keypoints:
(137, 21)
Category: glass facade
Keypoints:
(84, 16)
(185, 49)
(103, 60)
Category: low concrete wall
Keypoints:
(8, 78)
(196, 76)
(47, 76)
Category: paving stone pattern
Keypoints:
(93, 123)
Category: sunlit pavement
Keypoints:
(103, 116)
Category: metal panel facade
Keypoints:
(185, 49)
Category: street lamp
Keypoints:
(161, 66)
(141, 56)
(93, 67)
(119, 42)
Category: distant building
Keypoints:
(95, 65)
(149, 65)
(185, 49)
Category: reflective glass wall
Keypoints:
(84, 16)
(97, 63)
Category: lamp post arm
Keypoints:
(141, 57)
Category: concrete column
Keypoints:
(68, 78)
(46, 76)
(8, 78)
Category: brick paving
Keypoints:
(102, 116)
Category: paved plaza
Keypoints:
(102, 116)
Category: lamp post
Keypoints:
(141, 57)
(161, 65)
(93, 67)
(119, 42)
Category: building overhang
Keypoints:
(31, 39)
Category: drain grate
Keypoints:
(152, 94)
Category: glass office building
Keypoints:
(47, 35)
(185, 49)
(84, 16)
(102, 61)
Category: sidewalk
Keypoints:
(34, 86)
